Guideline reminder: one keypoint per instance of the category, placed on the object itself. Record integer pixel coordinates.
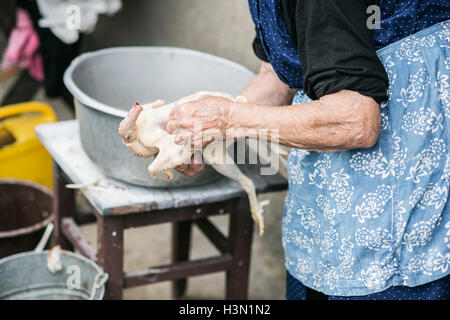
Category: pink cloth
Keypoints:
(23, 48)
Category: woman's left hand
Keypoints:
(200, 122)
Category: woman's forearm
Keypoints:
(267, 89)
(342, 121)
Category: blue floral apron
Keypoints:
(360, 221)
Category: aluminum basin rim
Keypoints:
(88, 101)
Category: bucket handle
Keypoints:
(99, 281)
(45, 237)
(18, 109)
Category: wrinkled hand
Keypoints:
(192, 168)
(199, 122)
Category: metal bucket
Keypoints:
(106, 83)
(25, 276)
(25, 210)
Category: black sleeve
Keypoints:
(258, 48)
(337, 50)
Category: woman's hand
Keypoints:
(214, 113)
(200, 122)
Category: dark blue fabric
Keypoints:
(436, 290)
(402, 18)
(295, 290)
(278, 45)
(399, 19)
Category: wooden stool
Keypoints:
(118, 206)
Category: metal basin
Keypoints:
(106, 83)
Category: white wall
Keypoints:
(220, 27)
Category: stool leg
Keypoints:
(181, 241)
(240, 235)
(110, 254)
(63, 206)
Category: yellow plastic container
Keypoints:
(22, 156)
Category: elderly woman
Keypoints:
(366, 214)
